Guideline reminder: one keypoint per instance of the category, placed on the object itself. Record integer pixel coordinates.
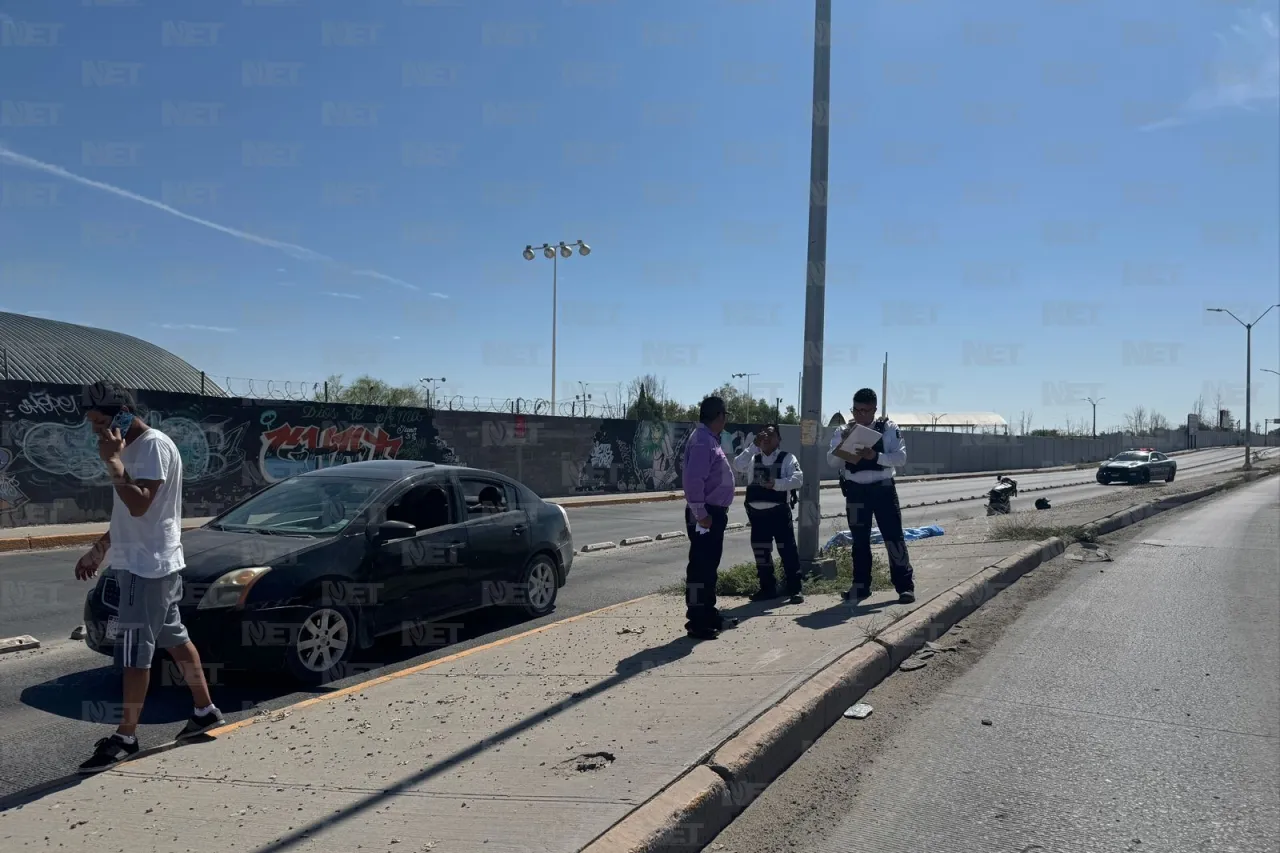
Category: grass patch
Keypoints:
(1021, 531)
(741, 579)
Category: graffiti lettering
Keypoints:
(44, 403)
(288, 450)
(319, 413)
(11, 496)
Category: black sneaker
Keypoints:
(201, 723)
(796, 598)
(703, 633)
(765, 595)
(108, 752)
(908, 597)
(853, 596)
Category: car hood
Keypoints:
(1122, 464)
(212, 553)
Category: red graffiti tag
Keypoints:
(352, 439)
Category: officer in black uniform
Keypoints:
(869, 491)
(773, 475)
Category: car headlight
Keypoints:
(231, 589)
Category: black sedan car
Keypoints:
(305, 572)
(1137, 466)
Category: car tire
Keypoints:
(1104, 480)
(1172, 473)
(1145, 477)
(322, 646)
(539, 586)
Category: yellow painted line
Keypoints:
(413, 670)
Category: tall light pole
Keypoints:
(812, 433)
(1264, 421)
(560, 250)
(583, 398)
(1094, 403)
(431, 395)
(1248, 379)
(750, 403)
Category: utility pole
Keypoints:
(1095, 412)
(1248, 380)
(815, 298)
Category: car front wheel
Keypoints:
(539, 586)
(1104, 479)
(1146, 477)
(323, 644)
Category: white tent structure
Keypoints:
(941, 421)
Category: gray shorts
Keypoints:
(148, 618)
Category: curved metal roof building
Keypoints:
(33, 349)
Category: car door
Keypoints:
(498, 533)
(424, 574)
(1163, 465)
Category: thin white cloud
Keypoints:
(196, 327)
(438, 295)
(301, 253)
(281, 269)
(395, 337)
(1246, 73)
(343, 295)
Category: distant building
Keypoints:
(33, 349)
(988, 422)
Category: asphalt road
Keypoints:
(56, 700)
(1131, 705)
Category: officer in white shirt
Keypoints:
(869, 490)
(773, 475)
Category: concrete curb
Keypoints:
(672, 534)
(700, 804)
(45, 543)
(18, 644)
(599, 546)
(636, 540)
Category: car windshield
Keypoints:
(1132, 456)
(319, 506)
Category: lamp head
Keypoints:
(528, 253)
(583, 249)
(565, 251)
(549, 251)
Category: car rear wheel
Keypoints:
(323, 644)
(1172, 473)
(539, 586)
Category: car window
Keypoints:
(1131, 456)
(484, 497)
(426, 507)
(311, 504)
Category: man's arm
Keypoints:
(895, 449)
(138, 491)
(742, 462)
(792, 476)
(833, 460)
(697, 464)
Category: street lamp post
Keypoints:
(431, 394)
(1094, 403)
(583, 398)
(750, 402)
(1276, 420)
(560, 250)
(815, 297)
(1248, 379)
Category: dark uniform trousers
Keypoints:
(863, 501)
(705, 551)
(767, 527)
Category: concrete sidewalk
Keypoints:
(537, 743)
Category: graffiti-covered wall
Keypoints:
(50, 472)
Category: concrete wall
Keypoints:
(50, 472)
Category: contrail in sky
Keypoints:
(301, 253)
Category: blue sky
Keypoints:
(1030, 201)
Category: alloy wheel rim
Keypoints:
(541, 585)
(322, 640)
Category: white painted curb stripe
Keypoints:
(673, 534)
(599, 546)
(636, 540)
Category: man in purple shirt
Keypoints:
(708, 492)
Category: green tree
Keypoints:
(368, 391)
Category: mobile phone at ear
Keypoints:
(122, 422)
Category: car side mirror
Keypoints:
(389, 530)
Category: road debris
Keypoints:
(858, 712)
(77, 633)
(630, 631)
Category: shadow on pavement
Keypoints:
(628, 667)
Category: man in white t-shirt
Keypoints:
(145, 539)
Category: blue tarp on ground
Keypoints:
(845, 539)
